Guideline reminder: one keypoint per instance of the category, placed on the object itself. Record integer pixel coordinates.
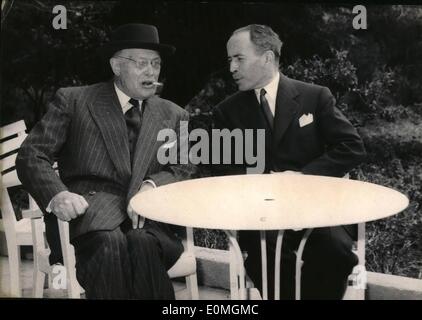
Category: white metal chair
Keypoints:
(31, 231)
(185, 266)
(356, 280)
(42, 265)
(18, 232)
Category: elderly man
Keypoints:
(104, 137)
(304, 134)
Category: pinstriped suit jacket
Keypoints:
(85, 131)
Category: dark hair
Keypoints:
(264, 38)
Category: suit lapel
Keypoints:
(286, 108)
(107, 114)
(253, 116)
(153, 121)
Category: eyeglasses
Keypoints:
(143, 63)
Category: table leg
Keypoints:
(241, 272)
(239, 263)
(299, 262)
(264, 265)
(277, 264)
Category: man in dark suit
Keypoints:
(104, 138)
(304, 134)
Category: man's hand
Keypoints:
(67, 205)
(138, 221)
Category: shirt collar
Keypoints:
(270, 88)
(123, 97)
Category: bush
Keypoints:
(336, 72)
(208, 238)
(377, 93)
(394, 245)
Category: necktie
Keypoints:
(133, 124)
(266, 108)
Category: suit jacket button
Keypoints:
(91, 193)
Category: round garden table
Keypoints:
(268, 202)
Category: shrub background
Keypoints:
(374, 75)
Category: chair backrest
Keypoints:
(11, 136)
(15, 135)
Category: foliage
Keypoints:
(39, 59)
(374, 75)
(394, 245)
(214, 239)
(335, 72)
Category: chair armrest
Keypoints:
(186, 264)
(34, 213)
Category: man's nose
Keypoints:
(149, 70)
(233, 67)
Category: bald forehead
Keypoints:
(241, 37)
(240, 44)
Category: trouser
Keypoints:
(328, 260)
(53, 238)
(127, 263)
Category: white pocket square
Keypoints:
(168, 145)
(306, 119)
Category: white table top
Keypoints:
(268, 202)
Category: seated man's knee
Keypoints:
(99, 243)
(332, 248)
(141, 238)
(110, 239)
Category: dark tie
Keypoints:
(133, 123)
(266, 108)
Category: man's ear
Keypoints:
(269, 57)
(115, 66)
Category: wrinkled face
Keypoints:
(248, 68)
(135, 71)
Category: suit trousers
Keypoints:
(127, 263)
(328, 261)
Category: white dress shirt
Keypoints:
(271, 94)
(124, 100)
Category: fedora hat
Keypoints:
(136, 35)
